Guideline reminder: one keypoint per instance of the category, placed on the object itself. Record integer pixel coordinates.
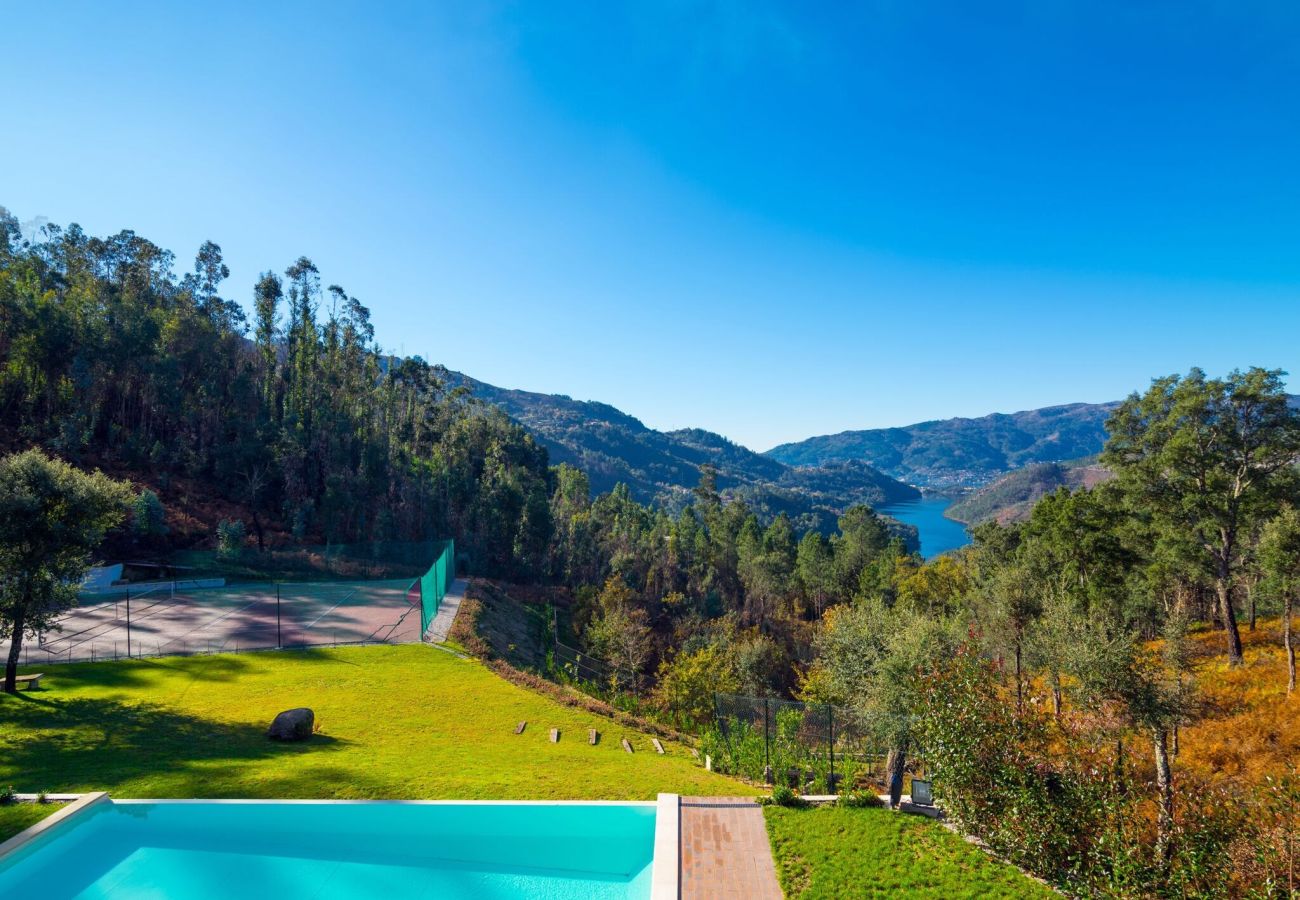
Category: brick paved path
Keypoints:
(725, 850)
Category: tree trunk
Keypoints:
(1020, 690)
(1229, 616)
(15, 648)
(894, 766)
(1289, 643)
(1056, 694)
(1250, 603)
(257, 527)
(1165, 785)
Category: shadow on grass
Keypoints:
(221, 667)
(66, 744)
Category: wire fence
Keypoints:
(809, 746)
(436, 582)
(168, 620)
(391, 592)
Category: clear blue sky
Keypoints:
(768, 220)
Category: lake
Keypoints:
(938, 533)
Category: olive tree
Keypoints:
(52, 517)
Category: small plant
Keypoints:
(783, 796)
(43, 797)
(861, 800)
(8, 796)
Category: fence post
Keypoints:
(128, 623)
(830, 722)
(767, 739)
(278, 642)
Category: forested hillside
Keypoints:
(963, 452)
(295, 420)
(613, 447)
(1012, 497)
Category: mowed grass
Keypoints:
(841, 852)
(14, 817)
(400, 722)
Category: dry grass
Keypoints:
(1248, 728)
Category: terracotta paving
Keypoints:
(725, 851)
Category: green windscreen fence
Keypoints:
(435, 583)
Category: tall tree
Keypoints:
(52, 517)
(1279, 554)
(1207, 458)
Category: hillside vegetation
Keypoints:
(613, 447)
(962, 452)
(1012, 497)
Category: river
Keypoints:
(938, 533)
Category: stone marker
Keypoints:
(659, 748)
(555, 735)
(292, 725)
(593, 737)
(519, 729)
(627, 746)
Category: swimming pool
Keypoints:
(194, 850)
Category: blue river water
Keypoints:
(938, 533)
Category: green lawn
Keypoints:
(403, 722)
(838, 852)
(14, 817)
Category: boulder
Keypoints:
(292, 725)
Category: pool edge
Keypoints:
(50, 822)
(665, 871)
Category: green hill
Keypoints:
(663, 466)
(962, 452)
(1011, 497)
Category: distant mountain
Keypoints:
(1012, 497)
(662, 466)
(962, 452)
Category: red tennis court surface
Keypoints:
(164, 622)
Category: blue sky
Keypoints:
(767, 220)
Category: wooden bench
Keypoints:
(32, 681)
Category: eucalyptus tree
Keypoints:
(1206, 459)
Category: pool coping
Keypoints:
(665, 865)
(52, 821)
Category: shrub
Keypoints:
(861, 800)
(7, 795)
(230, 537)
(148, 516)
(783, 796)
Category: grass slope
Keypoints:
(402, 722)
(14, 817)
(840, 852)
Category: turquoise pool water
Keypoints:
(185, 850)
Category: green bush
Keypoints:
(230, 537)
(783, 796)
(861, 800)
(148, 517)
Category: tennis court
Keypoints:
(165, 621)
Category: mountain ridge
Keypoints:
(614, 447)
(962, 452)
